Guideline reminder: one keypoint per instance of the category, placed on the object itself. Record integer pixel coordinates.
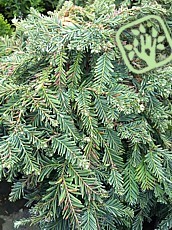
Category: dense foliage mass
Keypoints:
(88, 141)
(18, 8)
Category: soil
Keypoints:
(11, 211)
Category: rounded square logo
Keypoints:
(145, 44)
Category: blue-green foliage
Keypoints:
(91, 140)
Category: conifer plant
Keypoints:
(83, 139)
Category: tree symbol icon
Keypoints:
(145, 45)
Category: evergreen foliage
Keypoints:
(20, 9)
(88, 140)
